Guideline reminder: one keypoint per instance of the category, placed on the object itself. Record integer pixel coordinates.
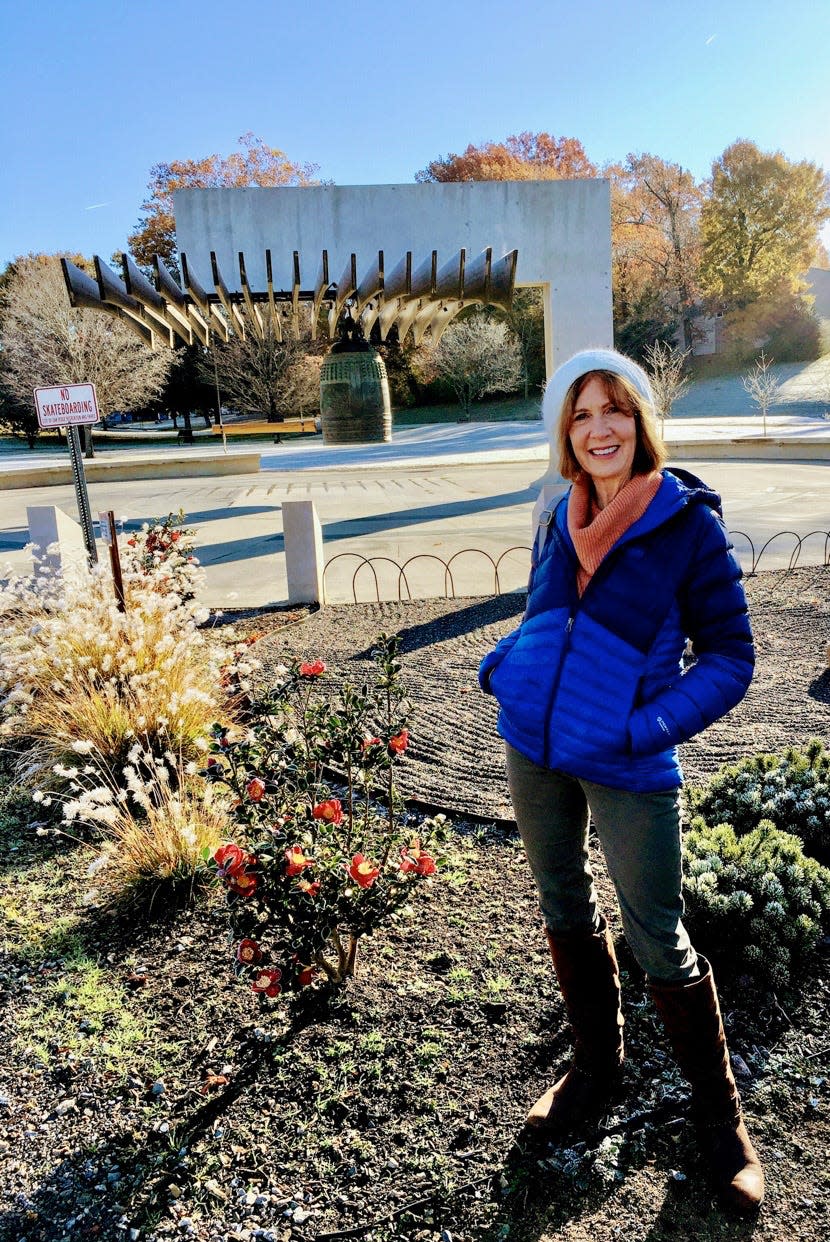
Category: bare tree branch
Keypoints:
(273, 377)
(666, 367)
(475, 357)
(43, 342)
(762, 386)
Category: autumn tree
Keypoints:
(655, 243)
(760, 224)
(783, 321)
(44, 342)
(475, 357)
(521, 157)
(254, 164)
(273, 377)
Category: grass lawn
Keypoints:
(511, 410)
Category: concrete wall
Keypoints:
(561, 229)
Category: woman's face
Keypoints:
(603, 437)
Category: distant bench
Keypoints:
(261, 427)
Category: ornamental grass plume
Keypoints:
(156, 826)
(75, 668)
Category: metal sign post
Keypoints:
(81, 493)
(72, 406)
(110, 536)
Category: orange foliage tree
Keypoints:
(521, 157)
(254, 164)
(655, 239)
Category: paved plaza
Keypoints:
(458, 493)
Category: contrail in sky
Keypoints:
(95, 206)
(711, 39)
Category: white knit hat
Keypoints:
(580, 364)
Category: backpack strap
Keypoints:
(544, 526)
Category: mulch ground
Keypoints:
(456, 760)
(143, 1095)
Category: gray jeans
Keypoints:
(640, 838)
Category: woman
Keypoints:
(594, 698)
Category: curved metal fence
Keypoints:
(402, 575)
(795, 555)
(481, 573)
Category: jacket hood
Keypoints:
(692, 490)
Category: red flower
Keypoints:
(330, 811)
(248, 952)
(243, 883)
(413, 858)
(305, 974)
(267, 981)
(231, 859)
(399, 742)
(311, 887)
(312, 668)
(255, 789)
(232, 862)
(296, 860)
(363, 871)
(369, 742)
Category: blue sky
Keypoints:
(95, 93)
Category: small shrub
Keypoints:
(791, 789)
(755, 903)
(164, 550)
(323, 861)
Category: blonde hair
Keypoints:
(650, 453)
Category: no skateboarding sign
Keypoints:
(73, 405)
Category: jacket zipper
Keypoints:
(576, 604)
(569, 624)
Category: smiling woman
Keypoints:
(594, 695)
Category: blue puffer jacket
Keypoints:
(595, 686)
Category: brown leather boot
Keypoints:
(588, 974)
(692, 1018)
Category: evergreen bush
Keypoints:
(755, 903)
(791, 789)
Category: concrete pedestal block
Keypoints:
(303, 552)
(57, 540)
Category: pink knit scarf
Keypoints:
(594, 531)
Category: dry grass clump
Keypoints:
(73, 668)
(158, 824)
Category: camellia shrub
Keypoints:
(755, 903)
(791, 789)
(323, 851)
(164, 550)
